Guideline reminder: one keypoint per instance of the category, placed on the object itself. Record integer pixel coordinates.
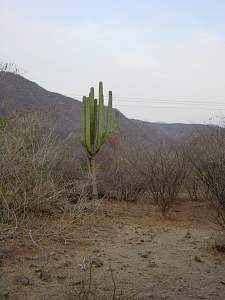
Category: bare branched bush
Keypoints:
(33, 177)
(27, 155)
(131, 172)
(193, 186)
(163, 171)
(8, 67)
(167, 170)
(209, 161)
(118, 179)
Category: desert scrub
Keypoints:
(208, 159)
(28, 179)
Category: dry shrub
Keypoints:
(158, 171)
(164, 171)
(132, 172)
(117, 177)
(192, 188)
(32, 177)
(209, 162)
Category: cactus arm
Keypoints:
(100, 115)
(95, 122)
(92, 119)
(87, 126)
(116, 121)
(83, 121)
(109, 117)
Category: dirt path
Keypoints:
(132, 248)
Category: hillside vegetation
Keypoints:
(153, 179)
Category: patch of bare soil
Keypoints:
(124, 251)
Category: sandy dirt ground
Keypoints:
(123, 251)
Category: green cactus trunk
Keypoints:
(94, 132)
(92, 166)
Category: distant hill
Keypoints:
(17, 92)
(173, 130)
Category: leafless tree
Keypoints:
(119, 179)
(162, 170)
(33, 179)
(209, 162)
(193, 187)
(8, 67)
(167, 170)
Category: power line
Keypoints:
(182, 100)
(170, 103)
(173, 103)
(177, 107)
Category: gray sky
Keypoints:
(164, 60)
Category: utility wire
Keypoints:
(140, 99)
(177, 107)
(170, 103)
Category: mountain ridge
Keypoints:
(17, 92)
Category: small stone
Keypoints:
(97, 262)
(147, 296)
(4, 294)
(56, 258)
(203, 297)
(22, 280)
(5, 253)
(144, 255)
(78, 282)
(96, 251)
(61, 277)
(66, 264)
(164, 297)
(152, 265)
(218, 261)
(188, 235)
(33, 266)
(194, 243)
(198, 259)
(31, 257)
(220, 246)
(44, 275)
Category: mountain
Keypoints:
(175, 131)
(17, 92)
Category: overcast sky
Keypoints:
(164, 60)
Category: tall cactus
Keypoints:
(94, 132)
